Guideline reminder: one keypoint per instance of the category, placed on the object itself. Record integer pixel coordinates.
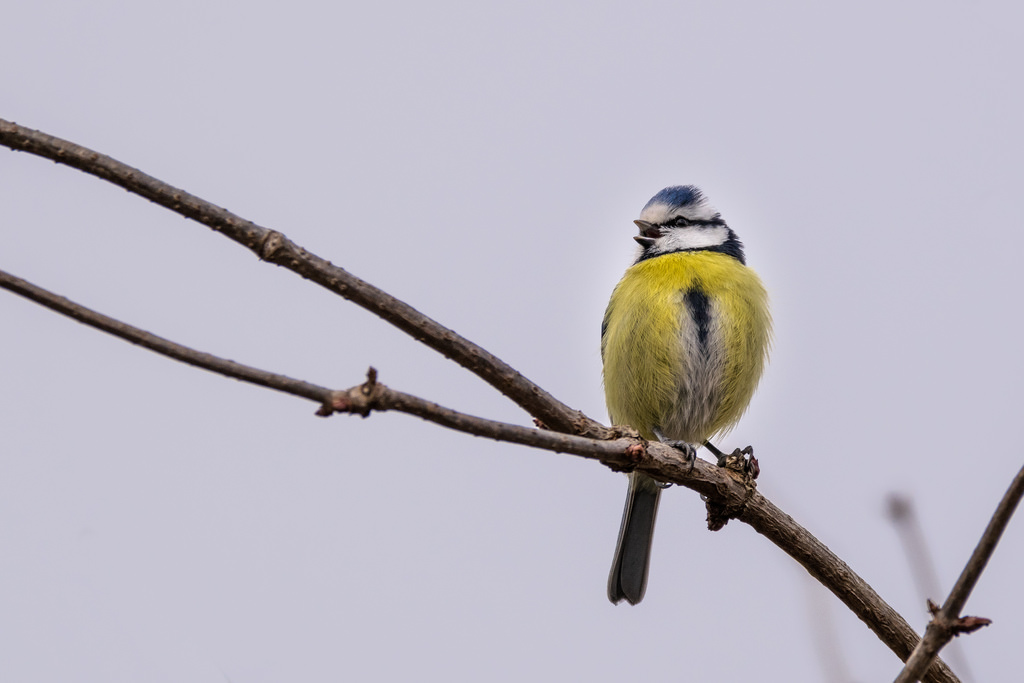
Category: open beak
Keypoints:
(649, 232)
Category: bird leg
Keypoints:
(688, 450)
(741, 461)
(745, 464)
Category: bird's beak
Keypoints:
(648, 233)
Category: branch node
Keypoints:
(371, 381)
(636, 453)
(359, 400)
(969, 624)
(743, 466)
(581, 423)
(273, 241)
(718, 515)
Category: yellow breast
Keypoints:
(684, 344)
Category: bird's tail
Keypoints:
(628, 578)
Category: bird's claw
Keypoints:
(741, 461)
(687, 449)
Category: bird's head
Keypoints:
(680, 218)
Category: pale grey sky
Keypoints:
(483, 162)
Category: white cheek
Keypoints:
(691, 238)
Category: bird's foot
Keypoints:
(741, 461)
(688, 450)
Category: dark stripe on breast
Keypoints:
(700, 312)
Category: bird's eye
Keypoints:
(679, 221)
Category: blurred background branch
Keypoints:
(947, 623)
(901, 512)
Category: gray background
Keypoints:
(483, 163)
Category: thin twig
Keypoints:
(947, 622)
(163, 346)
(372, 396)
(274, 247)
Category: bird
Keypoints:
(684, 342)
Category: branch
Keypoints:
(947, 622)
(722, 488)
(273, 246)
(619, 453)
(162, 346)
(729, 495)
(825, 566)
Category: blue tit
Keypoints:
(684, 342)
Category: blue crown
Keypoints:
(677, 196)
